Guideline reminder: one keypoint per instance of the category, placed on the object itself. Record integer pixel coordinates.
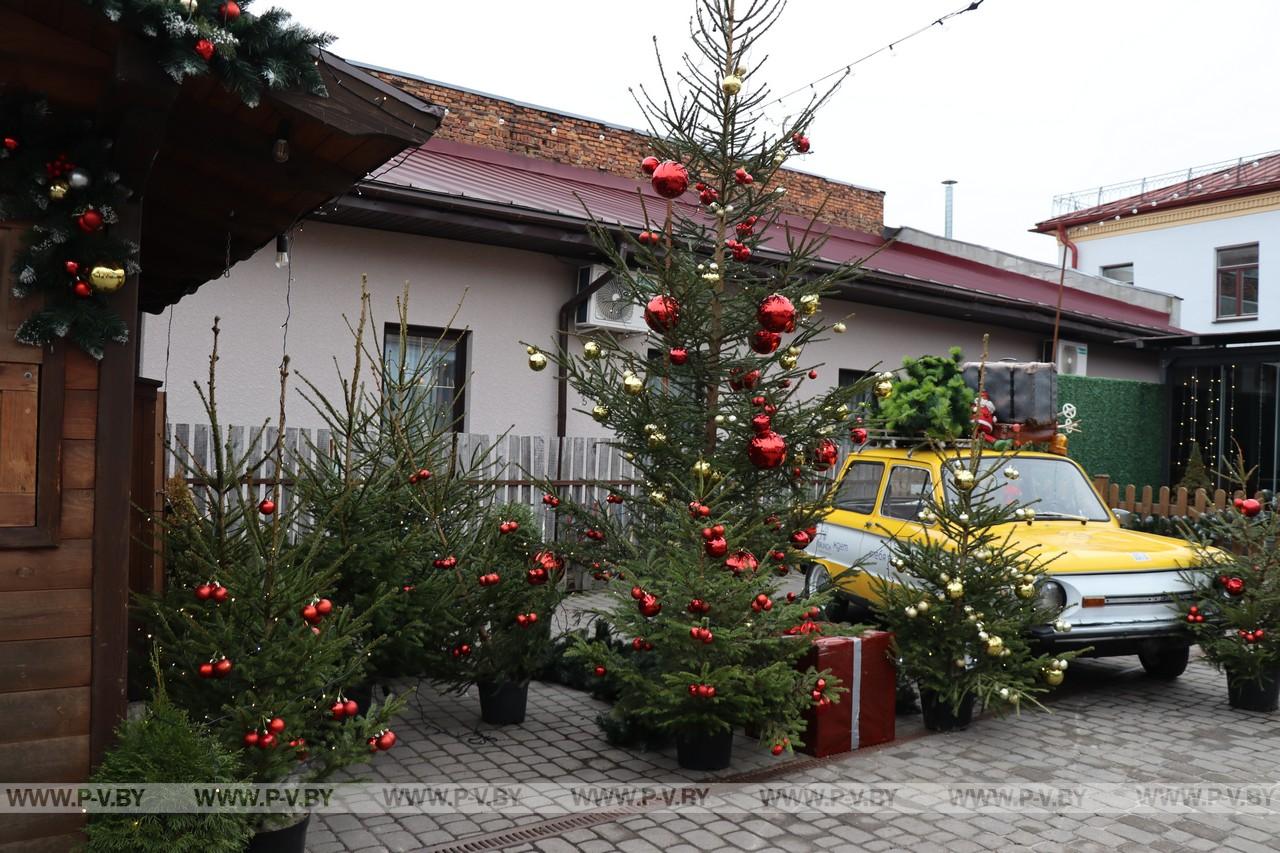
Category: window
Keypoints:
(1119, 272)
(435, 371)
(1237, 285)
(851, 376)
(858, 489)
(906, 493)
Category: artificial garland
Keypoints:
(220, 37)
(56, 177)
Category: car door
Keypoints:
(906, 492)
(847, 536)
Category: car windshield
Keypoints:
(1054, 488)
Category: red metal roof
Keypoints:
(447, 168)
(1247, 177)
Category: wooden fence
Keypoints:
(582, 468)
(1165, 502)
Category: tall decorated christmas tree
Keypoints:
(729, 429)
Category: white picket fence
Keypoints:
(581, 468)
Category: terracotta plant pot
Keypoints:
(939, 716)
(696, 751)
(1248, 695)
(288, 839)
(503, 704)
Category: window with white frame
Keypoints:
(1237, 282)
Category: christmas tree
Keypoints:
(1195, 475)
(251, 640)
(930, 398)
(728, 428)
(965, 597)
(1234, 609)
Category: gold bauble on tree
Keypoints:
(1027, 590)
(591, 351)
(632, 384)
(787, 360)
(1052, 677)
(839, 328)
(955, 589)
(731, 84)
(58, 190)
(107, 278)
(884, 388)
(600, 413)
(702, 468)
(809, 304)
(537, 361)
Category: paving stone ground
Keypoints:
(1108, 723)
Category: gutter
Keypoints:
(1064, 240)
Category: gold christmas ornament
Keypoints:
(839, 328)
(995, 646)
(809, 304)
(600, 413)
(964, 479)
(883, 388)
(107, 279)
(910, 611)
(591, 351)
(1011, 473)
(58, 190)
(787, 360)
(537, 361)
(923, 606)
(650, 429)
(632, 384)
(1052, 677)
(731, 84)
(1027, 590)
(657, 439)
(955, 589)
(702, 468)
(657, 496)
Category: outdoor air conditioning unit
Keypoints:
(612, 307)
(1072, 358)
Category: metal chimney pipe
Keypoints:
(950, 185)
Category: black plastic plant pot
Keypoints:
(503, 704)
(939, 716)
(697, 751)
(288, 839)
(1250, 695)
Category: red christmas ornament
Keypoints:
(742, 176)
(801, 538)
(551, 500)
(777, 314)
(310, 614)
(10, 144)
(338, 710)
(765, 342)
(268, 741)
(825, 454)
(739, 380)
(678, 355)
(82, 290)
(204, 591)
(489, 579)
(229, 11)
(859, 435)
(222, 668)
(276, 725)
(800, 142)
(424, 474)
(205, 670)
(716, 546)
(637, 593)
(813, 374)
(548, 561)
(762, 424)
(204, 48)
(697, 605)
(662, 313)
(267, 506)
(708, 195)
(791, 597)
(650, 606)
(324, 607)
(741, 561)
(71, 267)
(600, 671)
(649, 165)
(89, 221)
(386, 740)
(445, 562)
(352, 707)
(220, 593)
(767, 450)
(648, 238)
(670, 179)
(1234, 585)
(776, 749)
(536, 577)
(614, 498)
(250, 739)
(1250, 507)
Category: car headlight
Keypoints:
(1051, 596)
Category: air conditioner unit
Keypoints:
(612, 307)
(1072, 358)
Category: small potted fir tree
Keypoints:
(965, 600)
(1234, 613)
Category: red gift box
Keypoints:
(865, 715)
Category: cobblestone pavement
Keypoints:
(1108, 724)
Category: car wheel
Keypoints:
(1165, 663)
(818, 580)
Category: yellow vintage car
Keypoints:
(1115, 590)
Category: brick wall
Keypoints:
(477, 119)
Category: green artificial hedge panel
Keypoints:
(1122, 428)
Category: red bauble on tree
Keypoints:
(229, 11)
(662, 313)
(82, 290)
(204, 48)
(89, 221)
(670, 179)
(767, 450)
(649, 165)
(765, 342)
(267, 506)
(825, 454)
(800, 143)
(678, 355)
(777, 314)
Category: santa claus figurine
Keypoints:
(984, 416)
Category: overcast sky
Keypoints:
(1018, 101)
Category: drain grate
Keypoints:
(530, 832)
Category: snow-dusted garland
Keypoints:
(246, 52)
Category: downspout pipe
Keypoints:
(562, 331)
(1064, 240)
